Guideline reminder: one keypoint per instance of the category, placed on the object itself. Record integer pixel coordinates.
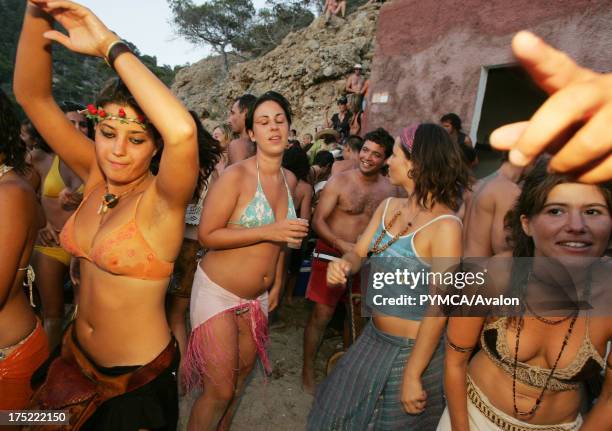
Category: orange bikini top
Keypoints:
(122, 251)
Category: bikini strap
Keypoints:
(259, 187)
(440, 217)
(385, 211)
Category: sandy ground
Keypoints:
(280, 404)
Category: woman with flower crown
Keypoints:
(117, 366)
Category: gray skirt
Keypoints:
(363, 391)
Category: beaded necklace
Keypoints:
(377, 249)
(552, 371)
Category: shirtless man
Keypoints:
(350, 154)
(493, 196)
(242, 147)
(354, 88)
(343, 212)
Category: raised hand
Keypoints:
(574, 122)
(86, 33)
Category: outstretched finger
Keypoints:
(64, 4)
(591, 143)
(561, 112)
(58, 37)
(504, 137)
(550, 68)
(599, 174)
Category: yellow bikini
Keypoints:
(51, 188)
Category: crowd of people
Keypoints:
(151, 219)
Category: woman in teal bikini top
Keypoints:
(239, 279)
(259, 212)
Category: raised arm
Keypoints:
(32, 88)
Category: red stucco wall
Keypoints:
(429, 54)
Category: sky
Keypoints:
(146, 23)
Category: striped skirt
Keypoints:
(363, 391)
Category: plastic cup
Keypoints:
(298, 245)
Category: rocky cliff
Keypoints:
(309, 67)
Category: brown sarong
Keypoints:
(75, 384)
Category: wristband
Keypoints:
(114, 50)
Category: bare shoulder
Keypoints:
(448, 225)
(336, 181)
(234, 172)
(292, 180)
(17, 198)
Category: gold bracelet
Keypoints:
(457, 348)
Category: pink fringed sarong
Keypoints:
(209, 301)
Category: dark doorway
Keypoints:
(510, 96)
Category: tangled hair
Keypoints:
(227, 132)
(269, 96)
(382, 138)
(323, 159)
(115, 91)
(453, 119)
(536, 187)
(209, 153)
(245, 102)
(296, 160)
(11, 145)
(439, 171)
(355, 143)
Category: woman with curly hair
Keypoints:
(391, 378)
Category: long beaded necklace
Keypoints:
(552, 371)
(110, 200)
(377, 249)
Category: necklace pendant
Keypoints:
(110, 200)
